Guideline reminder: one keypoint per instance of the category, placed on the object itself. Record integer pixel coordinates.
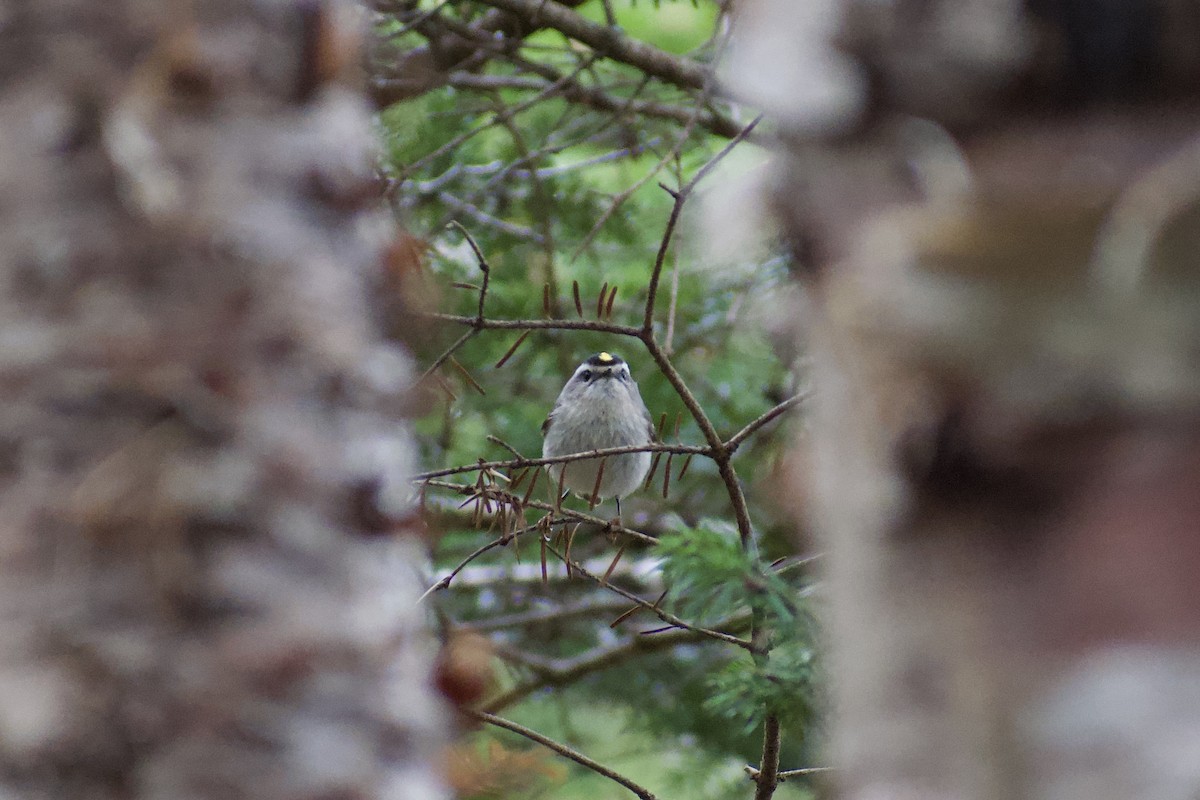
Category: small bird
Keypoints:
(598, 408)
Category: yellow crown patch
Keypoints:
(605, 357)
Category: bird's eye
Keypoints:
(586, 375)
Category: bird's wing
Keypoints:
(549, 419)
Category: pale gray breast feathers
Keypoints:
(594, 418)
(597, 417)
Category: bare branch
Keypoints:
(596, 98)
(672, 305)
(562, 750)
(767, 779)
(563, 514)
(484, 267)
(717, 449)
(653, 608)
(541, 324)
(507, 114)
(783, 775)
(444, 583)
(447, 354)
(564, 671)
(452, 45)
(681, 197)
(608, 41)
(520, 463)
(478, 320)
(629, 191)
(736, 440)
(504, 574)
(496, 440)
(796, 773)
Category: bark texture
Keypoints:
(206, 582)
(993, 208)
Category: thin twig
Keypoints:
(620, 552)
(783, 775)
(610, 18)
(717, 449)
(653, 608)
(509, 353)
(564, 514)
(608, 41)
(482, 262)
(444, 583)
(669, 344)
(629, 191)
(520, 463)
(420, 18)
(680, 198)
(467, 376)
(565, 671)
(447, 354)
(477, 321)
(508, 113)
(539, 324)
(562, 750)
(496, 440)
(386, 91)
(797, 773)
(735, 441)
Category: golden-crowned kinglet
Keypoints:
(599, 407)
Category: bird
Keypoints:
(599, 407)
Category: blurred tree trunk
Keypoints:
(206, 583)
(994, 206)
